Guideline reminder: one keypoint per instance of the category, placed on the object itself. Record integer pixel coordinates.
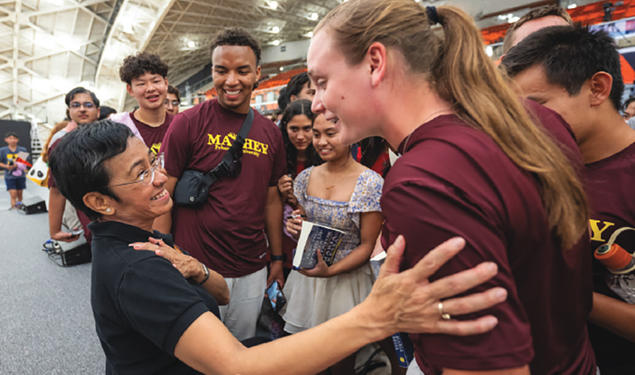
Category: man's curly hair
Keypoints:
(236, 37)
(137, 65)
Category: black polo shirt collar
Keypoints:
(126, 233)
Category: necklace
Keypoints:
(428, 118)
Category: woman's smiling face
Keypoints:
(139, 186)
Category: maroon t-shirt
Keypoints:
(453, 180)
(152, 135)
(610, 187)
(227, 233)
(83, 219)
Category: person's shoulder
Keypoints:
(202, 110)
(369, 182)
(455, 155)
(303, 176)
(444, 140)
(197, 117)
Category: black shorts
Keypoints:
(15, 183)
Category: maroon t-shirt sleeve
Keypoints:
(280, 158)
(427, 210)
(176, 146)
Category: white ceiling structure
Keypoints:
(48, 47)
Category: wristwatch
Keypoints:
(277, 257)
(206, 271)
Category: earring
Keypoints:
(108, 209)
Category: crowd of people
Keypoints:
(507, 220)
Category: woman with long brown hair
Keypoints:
(473, 164)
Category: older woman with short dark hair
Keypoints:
(151, 319)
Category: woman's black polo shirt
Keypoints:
(141, 303)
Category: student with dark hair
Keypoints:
(153, 317)
(228, 232)
(82, 108)
(173, 100)
(296, 125)
(473, 163)
(535, 19)
(629, 108)
(297, 135)
(298, 87)
(105, 112)
(146, 80)
(577, 73)
(342, 194)
(14, 171)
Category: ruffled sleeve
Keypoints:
(367, 193)
(300, 184)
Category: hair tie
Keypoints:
(433, 16)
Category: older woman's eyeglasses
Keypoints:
(147, 177)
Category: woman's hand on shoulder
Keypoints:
(408, 302)
(188, 266)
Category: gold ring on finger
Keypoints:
(444, 315)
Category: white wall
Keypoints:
(293, 50)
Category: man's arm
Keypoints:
(163, 223)
(7, 166)
(614, 315)
(403, 301)
(57, 203)
(273, 226)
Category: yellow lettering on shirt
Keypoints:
(213, 139)
(227, 143)
(596, 232)
(251, 147)
(155, 148)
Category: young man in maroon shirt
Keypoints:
(228, 232)
(577, 73)
(146, 80)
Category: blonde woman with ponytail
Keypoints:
(477, 163)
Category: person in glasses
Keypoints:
(241, 223)
(154, 318)
(173, 100)
(82, 108)
(146, 81)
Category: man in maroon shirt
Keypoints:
(82, 108)
(577, 73)
(146, 80)
(228, 232)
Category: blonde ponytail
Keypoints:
(463, 75)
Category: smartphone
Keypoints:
(77, 232)
(276, 297)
